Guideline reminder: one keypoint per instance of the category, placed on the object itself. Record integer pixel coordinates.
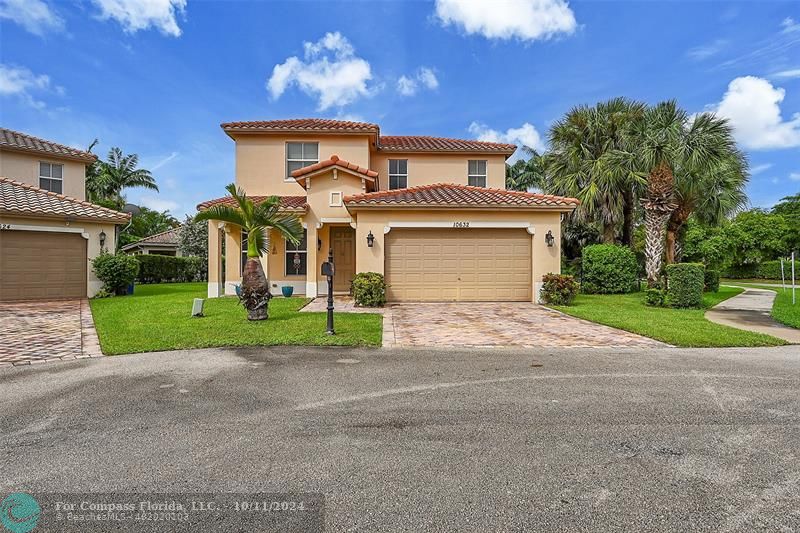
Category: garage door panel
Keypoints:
(42, 265)
(458, 265)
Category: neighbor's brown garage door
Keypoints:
(36, 265)
(458, 265)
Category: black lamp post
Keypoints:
(328, 271)
(370, 239)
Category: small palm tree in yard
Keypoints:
(255, 219)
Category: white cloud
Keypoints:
(526, 20)
(705, 51)
(794, 176)
(33, 15)
(163, 161)
(787, 74)
(424, 77)
(135, 15)
(525, 135)
(789, 25)
(152, 201)
(758, 169)
(329, 71)
(24, 84)
(753, 106)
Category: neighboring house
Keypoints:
(431, 214)
(164, 243)
(48, 232)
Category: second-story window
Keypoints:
(51, 177)
(477, 173)
(398, 173)
(299, 155)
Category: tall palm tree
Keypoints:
(582, 164)
(256, 220)
(528, 174)
(107, 179)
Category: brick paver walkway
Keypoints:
(501, 324)
(34, 332)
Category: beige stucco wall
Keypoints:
(90, 230)
(261, 159)
(424, 169)
(24, 167)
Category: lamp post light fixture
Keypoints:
(549, 239)
(370, 239)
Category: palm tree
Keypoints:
(528, 174)
(107, 179)
(256, 220)
(582, 164)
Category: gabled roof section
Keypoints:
(22, 142)
(165, 238)
(449, 195)
(334, 161)
(421, 143)
(288, 203)
(22, 199)
(301, 125)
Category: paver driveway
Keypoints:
(500, 324)
(32, 332)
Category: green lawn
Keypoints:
(782, 309)
(156, 317)
(680, 327)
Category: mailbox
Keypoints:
(327, 268)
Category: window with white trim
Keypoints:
(51, 177)
(476, 173)
(398, 173)
(295, 257)
(336, 199)
(299, 155)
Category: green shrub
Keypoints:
(166, 268)
(608, 269)
(558, 289)
(685, 283)
(740, 271)
(711, 281)
(115, 271)
(655, 297)
(772, 270)
(369, 289)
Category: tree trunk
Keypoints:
(654, 220)
(676, 221)
(672, 235)
(609, 233)
(627, 217)
(255, 290)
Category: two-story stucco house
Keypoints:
(431, 214)
(49, 233)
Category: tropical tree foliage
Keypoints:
(193, 238)
(527, 174)
(256, 219)
(146, 222)
(105, 180)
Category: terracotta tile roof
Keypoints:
(302, 125)
(21, 142)
(21, 199)
(165, 238)
(418, 143)
(288, 203)
(452, 195)
(334, 161)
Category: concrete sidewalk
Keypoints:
(751, 311)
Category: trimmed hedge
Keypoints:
(655, 297)
(765, 270)
(558, 289)
(711, 282)
(115, 271)
(685, 282)
(608, 269)
(166, 268)
(369, 289)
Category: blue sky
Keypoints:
(156, 78)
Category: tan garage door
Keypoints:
(458, 265)
(36, 265)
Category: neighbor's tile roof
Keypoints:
(14, 140)
(288, 203)
(334, 161)
(169, 238)
(22, 199)
(302, 125)
(418, 143)
(452, 195)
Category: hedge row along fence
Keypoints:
(765, 270)
(165, 268)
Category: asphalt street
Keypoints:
(421, 440)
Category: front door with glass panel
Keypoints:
(344, 257)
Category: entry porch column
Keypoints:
(214, 260)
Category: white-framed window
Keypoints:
(299, 155)
(398, 173)
(336, 199)
(476, 172)
(295, 257)
(51, 177)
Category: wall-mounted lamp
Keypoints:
(102, 239)
(549, 239)
(370, 239)
(319, 244)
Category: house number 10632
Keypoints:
(460, 224)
